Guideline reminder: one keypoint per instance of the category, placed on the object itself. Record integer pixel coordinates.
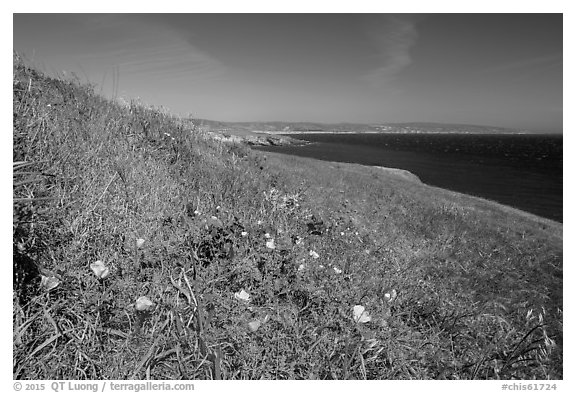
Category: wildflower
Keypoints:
(100, 269)
(254, 325)
(270, 244)
(49, 283)
(143, 304)
(360, 314)
(336, 270)
(140, 243)
(216, 222)
(267, 235)
(244, 234)
(143, 307)
(196, 213)
(314, 254)
(301, 267)
(259, 222)
(242, 296)
(321, 266)
(390, 296)
(298, 240)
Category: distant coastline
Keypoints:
(394, 132)
(287, 128)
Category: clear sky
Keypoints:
(488, 69)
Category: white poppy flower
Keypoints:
(360, 314)
(100, 269)
(270, 244)
(143, 304)
(390, 296)
(314, 254)
(242, 296)
(301, 267)
(49, 283)
(140, 243)
(244, 233)
(336, 270)
(254, 325)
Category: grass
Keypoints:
(456, 287)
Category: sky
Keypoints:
(501, 70)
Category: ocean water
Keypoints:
(523, 171)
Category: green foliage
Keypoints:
(456, 288)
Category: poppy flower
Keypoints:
(100, 269)
(242, 296)
(49, 283)
(143, 304)
(270, 244)
(254, 325)
(360, 314)
(390, 296)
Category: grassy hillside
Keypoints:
(255, 263)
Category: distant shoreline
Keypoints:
(399, 133)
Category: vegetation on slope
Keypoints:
(220, 262)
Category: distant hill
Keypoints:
(401, 128)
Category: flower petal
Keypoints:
(143, 304)
(360, 314)
(49, 283)
(390, 296)
(254, 325)
(100, 269)
(242, 296)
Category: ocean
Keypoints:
(519, 170)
